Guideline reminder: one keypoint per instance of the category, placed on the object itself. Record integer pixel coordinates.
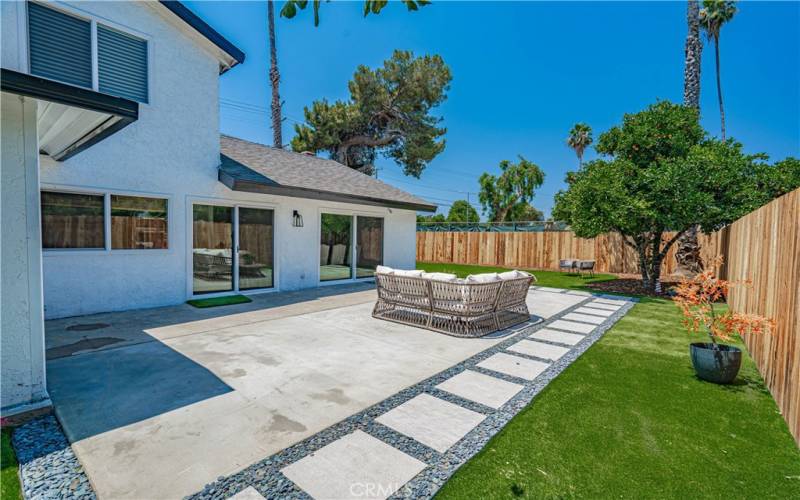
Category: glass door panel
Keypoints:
(369, 245)
(336, 241)
(212, 250)
(255, 248)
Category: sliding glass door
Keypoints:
(335, 250)
(212, 235)
(369, 245)
(216, 231)
(342, 237)
(255, 248)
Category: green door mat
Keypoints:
(219, 301)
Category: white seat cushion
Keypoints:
(483, 278)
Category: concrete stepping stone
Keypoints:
(526, 369)
(591, 310)
(538, 349)
(556, 336)
(434, 422)
(490, 391)
(354, 466)
(611, 302)
(248, 493)
(600, 305)
(585, 318)
(571, 326)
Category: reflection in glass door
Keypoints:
(212, 250)
(255, 248)
(336, 241)
(369, 245)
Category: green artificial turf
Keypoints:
(9, 479)
(553, 279)
(219, 301)
(629, 419)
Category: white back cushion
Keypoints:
(483, 278)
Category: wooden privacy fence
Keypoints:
(764, 246)
(541, 250)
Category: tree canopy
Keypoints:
(516, 184)
(462, 211)
(524, 212)
(580, 138)
(432, 218)
(662, 175)
(388, 113)
(291, 7)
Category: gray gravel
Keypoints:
(265, 476)
(48, 467)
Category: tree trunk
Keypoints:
(274, 78)
(641, 247)
(655, 263)
(687, 254)
(719, 89)
(692, 53)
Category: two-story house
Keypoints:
(118, 191)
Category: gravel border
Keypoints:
(265, 475)
(47, 466)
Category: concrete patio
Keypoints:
(158, 403)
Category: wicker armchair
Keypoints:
(458, 308)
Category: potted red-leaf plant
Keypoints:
(697, 298)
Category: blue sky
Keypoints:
(523, 74)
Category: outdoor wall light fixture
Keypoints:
(297, 219)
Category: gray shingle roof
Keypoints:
(248, 166)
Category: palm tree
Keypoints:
(714, 14)
(274, 78)
(580, 137)
(692, 52)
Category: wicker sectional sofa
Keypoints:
(471, 307)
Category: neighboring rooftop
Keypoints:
(248, 166)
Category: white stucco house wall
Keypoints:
(118, 191)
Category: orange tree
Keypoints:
(661, 173)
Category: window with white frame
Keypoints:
(79, 221)
(60, 48)
(73, 220)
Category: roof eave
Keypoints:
(118, 112)
(317, 194)
(203, 28)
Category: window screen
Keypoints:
(122, 64)
(60, 46)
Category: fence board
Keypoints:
(764, 246)
(541, 250)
